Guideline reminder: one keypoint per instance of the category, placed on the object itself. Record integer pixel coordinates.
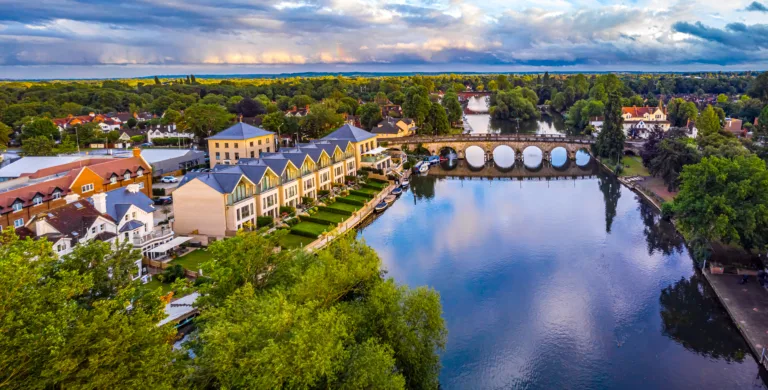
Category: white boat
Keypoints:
(424, 168)
(404, 183)
(389, 199)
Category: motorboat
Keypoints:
(424, 168)
(405, 183)
(397, 191)
(390, 199)
(381, 207)
(432, 160)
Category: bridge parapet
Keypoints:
(559, 138)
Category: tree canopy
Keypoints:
(610, 141)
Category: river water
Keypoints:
(571, 283)
(549, 123)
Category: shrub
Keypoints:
(306, 200)
(361, 193)
(287, 209)
(333, 210)
(291, 221)
(667, 210)
(137, 139)
(407, 165)
(378, 181)
(316, 220)
(172, 273)
(351, 201)
(350, 178)
(264, 221)
(158, 192)
(168, 141)
(323, 192)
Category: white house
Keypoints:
(166, 131)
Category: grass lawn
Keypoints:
(310, 227)
(192, 260)
(345, 206)
(635, 167)
(291, 241)
(330, 217)
(156, 283)
(376, 184)
(369, 191)
(357, 198)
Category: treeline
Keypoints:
(268, 319)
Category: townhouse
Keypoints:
(216, 204)
(46, 189)
(239, 141)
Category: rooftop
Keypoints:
(29, 165)
(241, 131)
(349, 133)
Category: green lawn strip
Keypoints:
(635, 167)
(291, 241)
(369, 191)
(331, 218)
(155, 283)
(357, 198)
(344, 206)
(193, 260)
(310, 228)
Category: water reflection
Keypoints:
(532, 157)
(692, 316)
(660, 235)
(611, 189)
(504, 156)
(558, 156)
(475, 156)
(583, 157)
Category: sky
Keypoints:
(101, 38)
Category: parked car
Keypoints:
(146, 144)
(163, 200)
(169, 179)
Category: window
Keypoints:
(87, 188)
(101, 227)
(226, 155)
(237, 155)
(133, 215)
(17, 206)
(259, 142)
(113, 179)
(252, 155)
(61, 247)
(218, 156)
(251, 143)
(126, 217)
(93, 230)
(37, 200)
(267, 149)
(18, 223)
(235, 145)
(141, 184)
(217, 144)
(226, 144)
(127, 176)
(56, 194)
(140, 172)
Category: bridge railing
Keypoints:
(494, 138)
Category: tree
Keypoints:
(726, 200)
(452, 106)
(157, 81)
(437, 121)
(204, 120)
(131, 122)
(722, 99)
(681, 111)
(40, 127)
(170, 116)
(610, 141)
(51, 339)
(762, 122)
(370, 115)
(38, 146)
(250, 108)
(332, 312)
(673, 154)
(274, 121)
(759, 87)
(300, 101)
(321, 119)
(708, 122)
(5, 135)
(651, 145)
(516, 103)
(417, 104)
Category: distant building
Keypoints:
(297, 112)
(239, 141)
(166, 131)
(395, 127)
(166, 162)
(638, 121)
(734, 126)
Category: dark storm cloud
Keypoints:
(736, 35)
(758, 7)
(416, 16)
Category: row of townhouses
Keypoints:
(248, 179)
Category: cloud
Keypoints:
(755, 6)
(431, 34)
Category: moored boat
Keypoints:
(390, 199)
(381, 207)
(405, 183)
(424, 168)
(397, 191)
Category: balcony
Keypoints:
(373, 158)
(151, 237)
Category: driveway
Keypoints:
(168, 187)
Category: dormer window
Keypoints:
(127, 176)
(17, 206)
(139, 172)
(37, 200)
(113, 179)
(56, 194)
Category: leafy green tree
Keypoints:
(725, 200)
(40, 127)
(437, 121)
(67, 145)
(169, 117)
(205, 120)
(70, 108)
(38, 146)
(598, 93)
(452, 106)
(396, 97)
(370, 115)
(5, 135)
(672, 156)
(157, 81)
(558, 102)
(516, 103)
(762, 122)
(300, 101)
(708, 122)
(321, 120)
(274, 121)
(417, 104)
(759, 87)
(680, 112)
(610, 141)
(722, 99)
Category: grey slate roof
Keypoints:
(131, 225)
(385, 127)
(254, 172)
(223, 181)
(276, 161)
(241, 131)
(349, 133)
(120, 200)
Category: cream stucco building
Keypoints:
(239, 141)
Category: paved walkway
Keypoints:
(350, 223)
(747, 305)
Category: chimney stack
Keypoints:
(136, 152)
(71, 198)
(100, 202)
(132, 188)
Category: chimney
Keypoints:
(71, 198)
(132, 188)
(100, 202)
(136, 152)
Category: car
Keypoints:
(146, 144)
(163, 200)
(169, 179)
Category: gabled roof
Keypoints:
(120, 200)
(131, 225)
(119, 166)
(349, 133)
(385, 127)
(276, 161)
(223, 181)
(638, 111)
(76, 217)
(297, 157)
(254, 171)
(241, 131)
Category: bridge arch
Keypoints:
(475, 155)
(533, 157)
(582, 157)
(504, 156)
(558, 156)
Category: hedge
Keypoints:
(333, 210)
(378, 181)
(317, 221)
(351, 201)
(287, 209)
(310, 229)
(360, 193)
(323, 192)
(373, 187)
(158, 192)
(264, 221)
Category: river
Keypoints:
(549, 123)
(571, 283)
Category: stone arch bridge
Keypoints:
(488, 142)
